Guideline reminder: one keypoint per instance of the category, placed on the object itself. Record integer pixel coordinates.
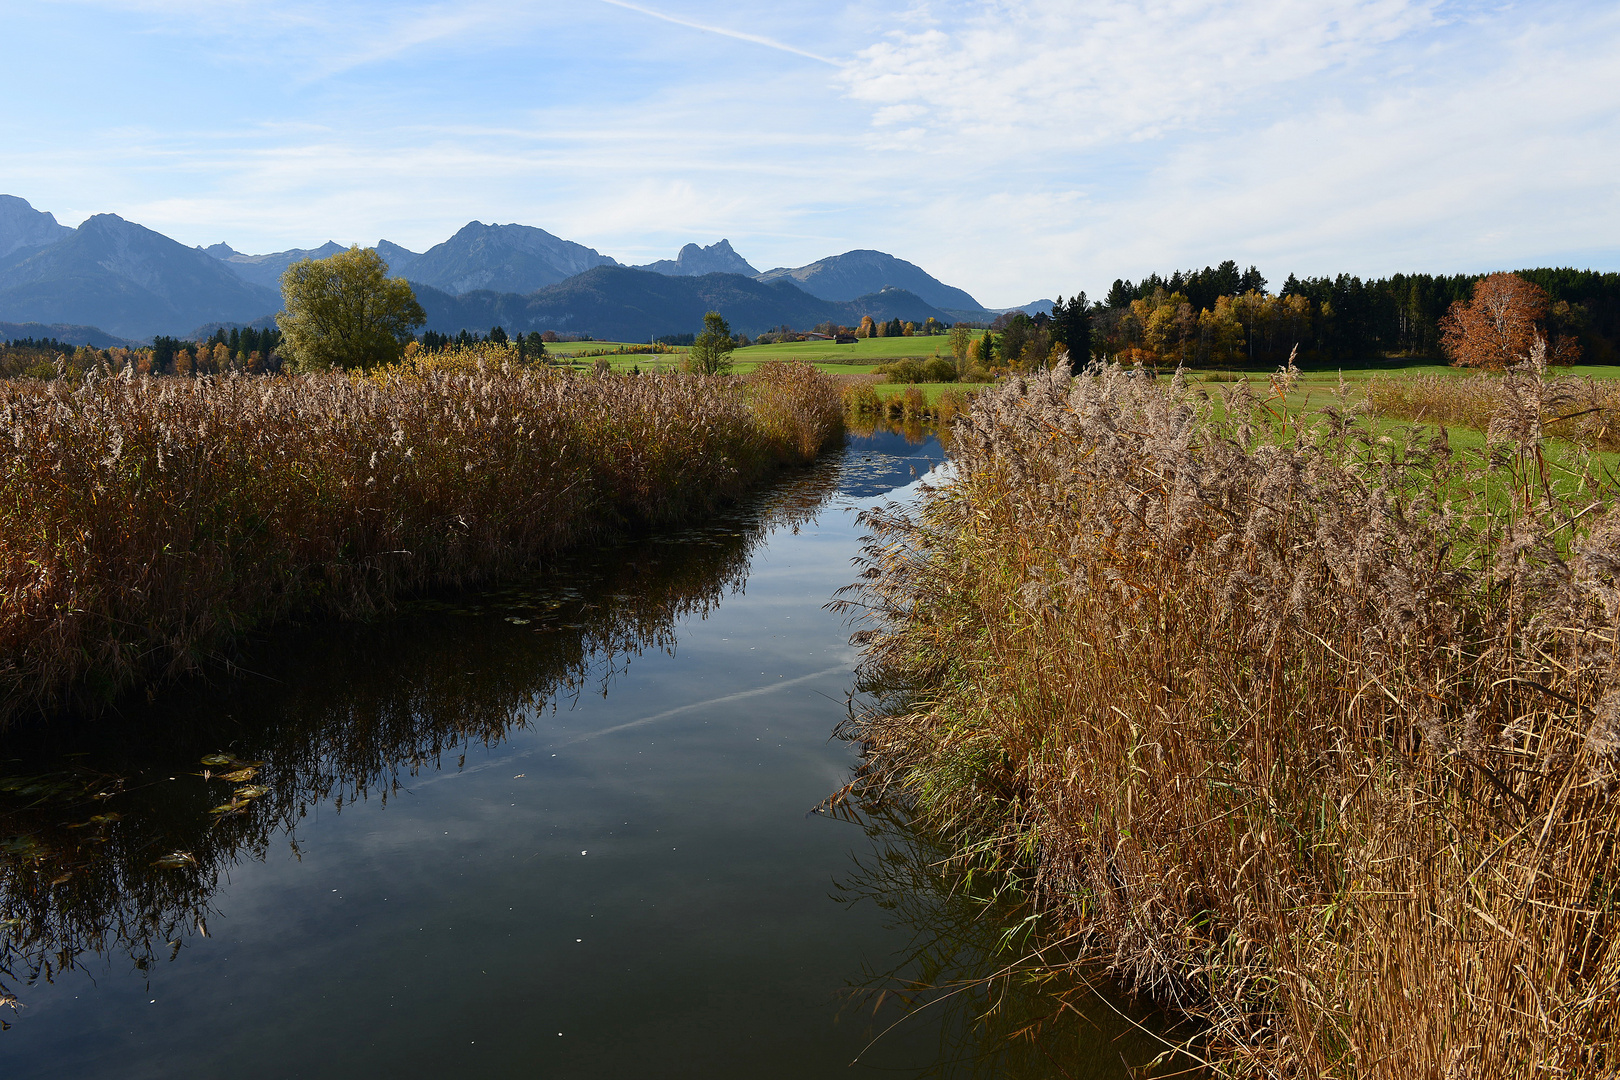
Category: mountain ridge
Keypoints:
(865, 271)
(695, 261)
(124, 280)
(623, 303)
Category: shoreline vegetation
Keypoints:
(1307, 729)
(149, 523)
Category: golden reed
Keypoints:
(1293, 728)
(146, 523)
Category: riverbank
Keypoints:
(1307, 731)
(149, 523)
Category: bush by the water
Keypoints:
(146, 523)
(1312, 735)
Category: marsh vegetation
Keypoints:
(150, 522)
(1305, 727)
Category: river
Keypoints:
(563, 828)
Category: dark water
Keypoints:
(562, 829)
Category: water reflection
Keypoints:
(119, 845)
(967, 970)
(228, 847)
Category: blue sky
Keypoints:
(1017, 150)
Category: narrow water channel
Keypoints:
(560, 829)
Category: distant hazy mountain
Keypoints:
(505, 258)
(859, 273)
(620, 303)
(22, 228)
(66, 333)
(694, 261)
(266, 270)
(1034, 307)
(123, 280)
(127, 280)
(399, 259)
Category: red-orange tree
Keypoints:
(1500, 326)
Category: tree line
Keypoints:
(1219, 316)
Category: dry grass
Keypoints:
(1288, 727)
(147, 523)
(1581, 410)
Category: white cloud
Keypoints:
(1077, 73)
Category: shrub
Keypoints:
(938, 370)
(904, 371)
(862, 399)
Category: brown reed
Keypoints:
(147, 523)
(1286, 725)
(1579, 409)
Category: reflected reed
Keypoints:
(115, 834)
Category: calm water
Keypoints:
(562, 829)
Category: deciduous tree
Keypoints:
(1500, 326)
(345, 311)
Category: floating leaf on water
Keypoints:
(98, 819)
(250, 791)
(228, 808)
(62, 879)
(21, 845)
(240, 775)
(219, 759)
(175, 859)
(515, 621)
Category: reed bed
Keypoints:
(862, 399)
(1287, 725)
(1579, 409)
(147, 523)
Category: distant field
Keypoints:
(1314, 390)
(858, 358)
(866, 351)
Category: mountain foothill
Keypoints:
(114, 279)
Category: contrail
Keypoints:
(740, 694)
(507, 760)
(769, 43)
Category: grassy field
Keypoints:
(862, 356)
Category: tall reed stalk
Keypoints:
(1295, 729)
(145, 524)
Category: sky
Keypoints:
(1016, 150)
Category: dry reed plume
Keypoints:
(1288, 726)
(146, 523)
(1582, 410)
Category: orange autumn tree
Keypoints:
(1501, 326)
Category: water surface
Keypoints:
(563, 828)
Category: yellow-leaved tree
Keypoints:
(345, 312)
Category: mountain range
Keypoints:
(118, 278)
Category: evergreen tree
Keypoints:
(711, 350)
